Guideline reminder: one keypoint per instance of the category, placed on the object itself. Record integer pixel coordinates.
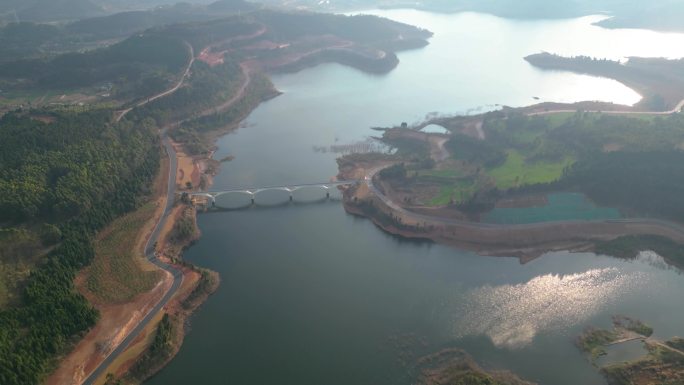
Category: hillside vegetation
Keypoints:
(25, 39)
(76, 173)
(140, 65)
(141, 12)
(627, 162)
(150, 61)
(67, 172)
(664, 15)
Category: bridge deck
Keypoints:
(291, 188)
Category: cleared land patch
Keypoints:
(119, 272)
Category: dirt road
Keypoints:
(438, 152)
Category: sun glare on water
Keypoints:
(512, 315)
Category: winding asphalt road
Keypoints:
(154, 237)
(170, 199)
(171, 90)
(150, 253)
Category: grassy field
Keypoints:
(516, 172)
(459, 192)
(455, 185)
(119, 271)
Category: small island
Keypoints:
(593, 341)
(456, 367)
(662, 363)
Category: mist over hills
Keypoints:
(49, 10)
(665, 15)
(125, 23)
(30, 39)
(661, 15)
(71, 10)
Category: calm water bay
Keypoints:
(311, 295)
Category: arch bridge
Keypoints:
(290, 189)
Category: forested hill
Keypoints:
(144, 62)
(63, 169)
(664, 15)
(22, 38)
(29, 40)
(126, 23)
(649, 183)
(70, 10)
(49, 10)
(360, 29)
(71, 173)
(150, 62)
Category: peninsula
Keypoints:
(445, 187)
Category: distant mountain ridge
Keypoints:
(50, 10)
(30, 40)
(125, 23)
(664, 15)
(71, 10)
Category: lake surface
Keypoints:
(311, 295)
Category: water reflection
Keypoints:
(652, 259)
(234, 200)
(512, 315)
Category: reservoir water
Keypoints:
(311, 295)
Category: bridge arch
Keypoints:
(233, 199)
(215, 197)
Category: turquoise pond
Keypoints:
(559, 207)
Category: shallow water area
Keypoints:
(618, 353)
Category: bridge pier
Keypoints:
(291, 198)
(327, 194)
